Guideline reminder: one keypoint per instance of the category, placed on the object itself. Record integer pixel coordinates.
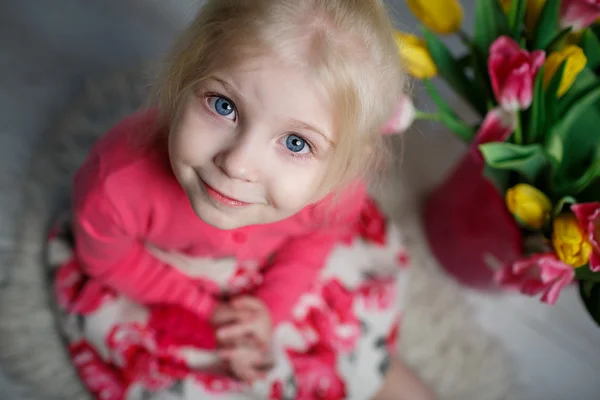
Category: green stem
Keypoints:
(427, 116)
(518, 128)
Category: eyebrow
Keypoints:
(228, 87)
(304, 125)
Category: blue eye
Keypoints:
(296, 144)
(222, 106)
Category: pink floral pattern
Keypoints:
(393, 335)
(246, 278)
(77, 294)
(101, 379)
(372, 225)
(334, 324)
(316, 375)
(215, 384)
(134, 350)
(378, 293)
(174, 327)
(276, 392)
(403, 259)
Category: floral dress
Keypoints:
(336, 344)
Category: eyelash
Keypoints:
(211, 95)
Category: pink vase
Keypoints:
(468, 226)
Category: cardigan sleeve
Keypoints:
(298, 262)
(110, 250)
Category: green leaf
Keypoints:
(482, 77)
(528, 160)
(490, 23)
(516, 15)
(547, 25)
(555, 149)
(584, 80)
(591, 47)
(551, 96)
(575, 100)
(537, 115)
(580, 184)
(590, 295)
(451, 71)
(499, 177)
(448, 117)
(592, 193)
(560, 204)
(559, 40)
(586, 274)
(577, 107)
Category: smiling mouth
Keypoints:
(221, 198)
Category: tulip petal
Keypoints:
(540, 273)
(595, 262)
(579, 14)
(512, 73)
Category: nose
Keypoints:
(239, 159)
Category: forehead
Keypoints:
(279, 91)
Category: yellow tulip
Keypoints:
(575, 63)
(415, 56)
(532, 13)
(529, 205)
(441, 16)
(570, 242)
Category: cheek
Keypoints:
(297, 188)
(192, 139)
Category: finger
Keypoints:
(235, 332)
(242, 363)
(226, 315)
(248, 373)
(248, 303)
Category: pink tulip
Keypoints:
(588, 215)
(513, 71)
(497, 126)
(579, 14)
(541, 273)
(403, 117)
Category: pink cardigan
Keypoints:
(125, 197)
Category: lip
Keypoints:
(221, 198)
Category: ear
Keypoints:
(402, 118)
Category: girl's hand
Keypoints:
(244, 318)
(244, 331)
(247, 362)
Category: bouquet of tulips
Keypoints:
(530, 69)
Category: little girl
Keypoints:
(224, 245)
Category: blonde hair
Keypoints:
(348, 46)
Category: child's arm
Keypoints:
(111, 251)
(293, 271)
(298, 262)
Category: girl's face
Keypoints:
(252, 145)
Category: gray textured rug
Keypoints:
(439, 340)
